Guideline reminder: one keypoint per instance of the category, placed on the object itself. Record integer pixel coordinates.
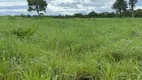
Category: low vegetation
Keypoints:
(70, 49)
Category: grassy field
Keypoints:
(70, 49)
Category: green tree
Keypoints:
(78, 15)
(92, 14)
(138, 13)
(120, 6)
(132, 4)
(37, 5)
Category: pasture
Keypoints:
(70, 49)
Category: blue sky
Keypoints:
(56, 7)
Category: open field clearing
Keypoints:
(70, 49)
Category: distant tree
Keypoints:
(92, 14)
(22, 15)
(132, 5)
(112, 14)
(138, 13)
(28, 16)
(37, 5)
(120, 6)
(41, 14)
(78, 15)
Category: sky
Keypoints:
(60, 7)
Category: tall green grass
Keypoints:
(70, 49)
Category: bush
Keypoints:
(23, 33)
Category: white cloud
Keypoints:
(14, 10)
(12, 3)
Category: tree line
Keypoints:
(120, 6)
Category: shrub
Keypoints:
(23, 33)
